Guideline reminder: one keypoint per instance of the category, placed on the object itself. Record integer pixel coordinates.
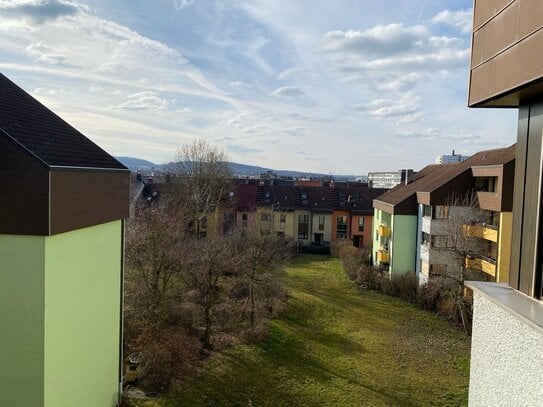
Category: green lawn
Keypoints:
(336, 346)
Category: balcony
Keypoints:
(483, 231)
(384, 231)
(383, 257)
(485, 264)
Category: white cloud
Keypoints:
(181, 4)
(460, 19)
(240, 84)
(144, 101)
(288, 91)
(381, 40)
(290, 72)
(406, 107)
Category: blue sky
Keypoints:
(335, 87)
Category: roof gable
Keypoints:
(43, 134)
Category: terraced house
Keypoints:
(316, 216)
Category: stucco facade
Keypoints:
(60, 297)
(506, 344)
(401, 245)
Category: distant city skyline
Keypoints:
(344, 87)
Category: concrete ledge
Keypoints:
(519, 305)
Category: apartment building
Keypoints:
(388, 179)
(61, 245)
(450, 158)
(507, 338)
(475, 195)
(449, 218)
(395, 226)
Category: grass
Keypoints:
(336, 346)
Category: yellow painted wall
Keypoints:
(504, 247)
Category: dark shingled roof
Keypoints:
(41, 132)
(245, 196)
(432, 177)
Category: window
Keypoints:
(228, 221)
(437, 270)
(303, 226)
(427, 211)
(244, 220)
(360, 223)
(305, 200)
(440, 241)
(282, 220)
(265, 217)
(426, 239)
(441, 212)
(321, 222)
(341, 229)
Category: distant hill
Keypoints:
(135, 163)
(240, 170)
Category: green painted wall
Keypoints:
(82, 316)
(404, 244)
(22, 269)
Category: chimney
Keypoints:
(406, 176)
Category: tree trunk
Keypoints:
(252, 298)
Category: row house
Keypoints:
(416, 222)
(316, 216)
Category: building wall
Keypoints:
(506, 357)
(288, 228)
(327, 232)
(297, 213)
(403, 246)
(82, 316)
(504, 247)
(22, 274)
(366, 235)
(335, 214)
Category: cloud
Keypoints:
(290, 72)
(381, 40)
(406, 108)
(393, 57)
(460, 19)
(144, 101)
(244, 150)
(294, 131)
(38, 11)
(240, 84)
(181, 4)
(288, 91)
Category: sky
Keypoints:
(341, 87)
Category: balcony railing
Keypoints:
(384, 231)
(482, 263)
(383, 257)
(483, 231)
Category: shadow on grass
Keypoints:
(316, 352)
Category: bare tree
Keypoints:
(214, 259)
(265, 257)
(156, 252)
(458, 245)
(203, 181)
